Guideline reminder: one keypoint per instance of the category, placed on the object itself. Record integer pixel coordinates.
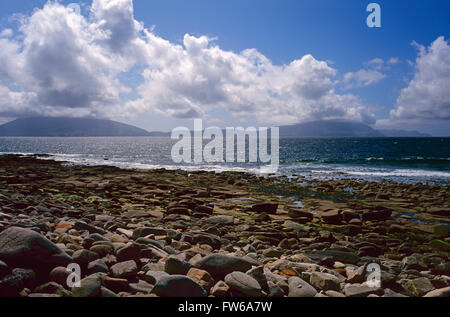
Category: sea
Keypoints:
(408, 160)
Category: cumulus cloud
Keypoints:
(64, 63)
(427, 95)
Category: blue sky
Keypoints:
(283, 31)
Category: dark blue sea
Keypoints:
(410, 160)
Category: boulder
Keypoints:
(178, 286)
(28, 249)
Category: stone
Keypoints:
(129, 252)
(360, 290)
(334, 294)
(178, 286)
(52, 288)
(332, 217)
(325, 281)
(441, 292)
(272, 253)
(356, 275)
(275, 290)
(127, 269)
(201, 277)
(97, 266)
(4, 269)
(300, 288)
(242, 284)
(221, 289)
(89, 287)
(220, 265)
(107, 293)
(59, 275)
(258, 274)
(83, 257)
(415, 261)
(116, 285)
(266, 207)
(141, 287)
(335, 255)
(419, 286)
(174, 266)
(102, 249)
(154, 276)
(220, 220)
(146, 231)
(441, 231)
(28, 249)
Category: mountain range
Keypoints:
(82, 127)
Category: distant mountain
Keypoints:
(403, 133)
(69, 127)
(329, 129)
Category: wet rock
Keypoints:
(178, 286)
(300, 288)
(28, 249)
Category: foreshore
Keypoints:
(166, 233)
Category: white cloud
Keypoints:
(62, 63)
(362, 78)
(427, 96)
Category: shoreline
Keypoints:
(136, 232)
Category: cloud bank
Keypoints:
(427, 96)
(62, 63)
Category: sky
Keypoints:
(161, 64)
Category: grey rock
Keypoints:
(127, 269)
(28, 249)
(176, 266)
(299, 288)
(243, 284)
(89, 287)
(325, 281)
(178, 286)
(220, 265)
(441, 292)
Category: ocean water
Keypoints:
(410, 160)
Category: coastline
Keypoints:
(126, 227)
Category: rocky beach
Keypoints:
(161, 233)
